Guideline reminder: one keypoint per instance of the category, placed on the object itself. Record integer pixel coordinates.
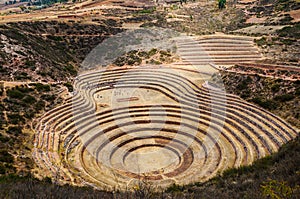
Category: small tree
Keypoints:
(222, 4)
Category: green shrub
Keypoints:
(22, 75)
(175, 188)
(10, 178)
(71, 69)
(40, 105)
(288, 41)
(222, 4)
(290, 31)
(3, 139)
(29, 63)
(297, 91)
(14, 94)
(275, 87)
(242, 86)
(165, 53)
(147, 11)
(55, 38)
(152, 52)
(2, 169)
(284, 97)
(69, 86)
(245, 94)
(261, 42)
(24, 89)
(15, 118)
(263, 163)
(267, 104)
(143, 54)
(42, 73)
(42, 87)
(276, 190)
(6, 157)
(28, 99)
(29, 113)
(14, 130)
(49, 98)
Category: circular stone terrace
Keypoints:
(162, 124)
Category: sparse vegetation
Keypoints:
(153, 56)
(60, 59)
(290, 31)
(221, 4)
(277, 95)
(21, 105)
(51, 51)
(275, 175)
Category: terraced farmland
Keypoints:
(161, 124)
(220, 49)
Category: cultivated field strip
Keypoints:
(218, 49)
(182, 134)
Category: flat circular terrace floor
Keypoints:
(164, 125)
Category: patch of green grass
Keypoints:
(147, 11)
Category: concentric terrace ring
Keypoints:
(187, 133)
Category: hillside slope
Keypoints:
(49, 50)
